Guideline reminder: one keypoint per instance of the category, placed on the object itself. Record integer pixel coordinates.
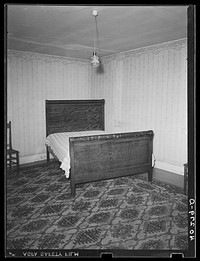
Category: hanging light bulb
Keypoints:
(95, 59)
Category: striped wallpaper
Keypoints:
(31, 79)
(147, 89)
(143, 89)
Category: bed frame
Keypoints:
(98, 157)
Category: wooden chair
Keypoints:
(12, 154)
(185, 178)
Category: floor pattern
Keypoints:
(122, 213)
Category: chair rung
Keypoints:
(12, 152)
(12, 160)
(13, 165)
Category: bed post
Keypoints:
(47, 154)
(150, 171)
(150, 174)
(46, 113)
(72, 183)
(71, 170)
(73, 188)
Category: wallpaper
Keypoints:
(147, 89)
(31, 79)
(143, 89)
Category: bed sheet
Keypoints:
(59, 143)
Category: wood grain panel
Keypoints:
(74, 115)
(108, 155)
(112, 155)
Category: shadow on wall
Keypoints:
(100, 69)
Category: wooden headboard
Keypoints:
(74, 115)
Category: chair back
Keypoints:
(9, 136)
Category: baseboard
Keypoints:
(166, 176)
(169, 167)
(162, 171)
(36, 164)
(32, 158)
(158, 164)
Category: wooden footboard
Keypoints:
(100, 157)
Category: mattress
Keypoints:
(59, 143)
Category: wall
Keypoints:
(144, 89)
(32, 78)
(147, 89)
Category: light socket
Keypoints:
(94, 13)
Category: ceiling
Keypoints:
(69, 31)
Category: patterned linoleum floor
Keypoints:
(122, 213)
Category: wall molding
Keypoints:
(29, 56)
(175, 45)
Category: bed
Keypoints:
(92, 153)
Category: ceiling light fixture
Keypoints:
(95, 59)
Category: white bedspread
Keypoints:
(59, 143)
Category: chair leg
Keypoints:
(150, 172)
(185, 178)
(185, 183)
(17, 163)
(10, 164)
